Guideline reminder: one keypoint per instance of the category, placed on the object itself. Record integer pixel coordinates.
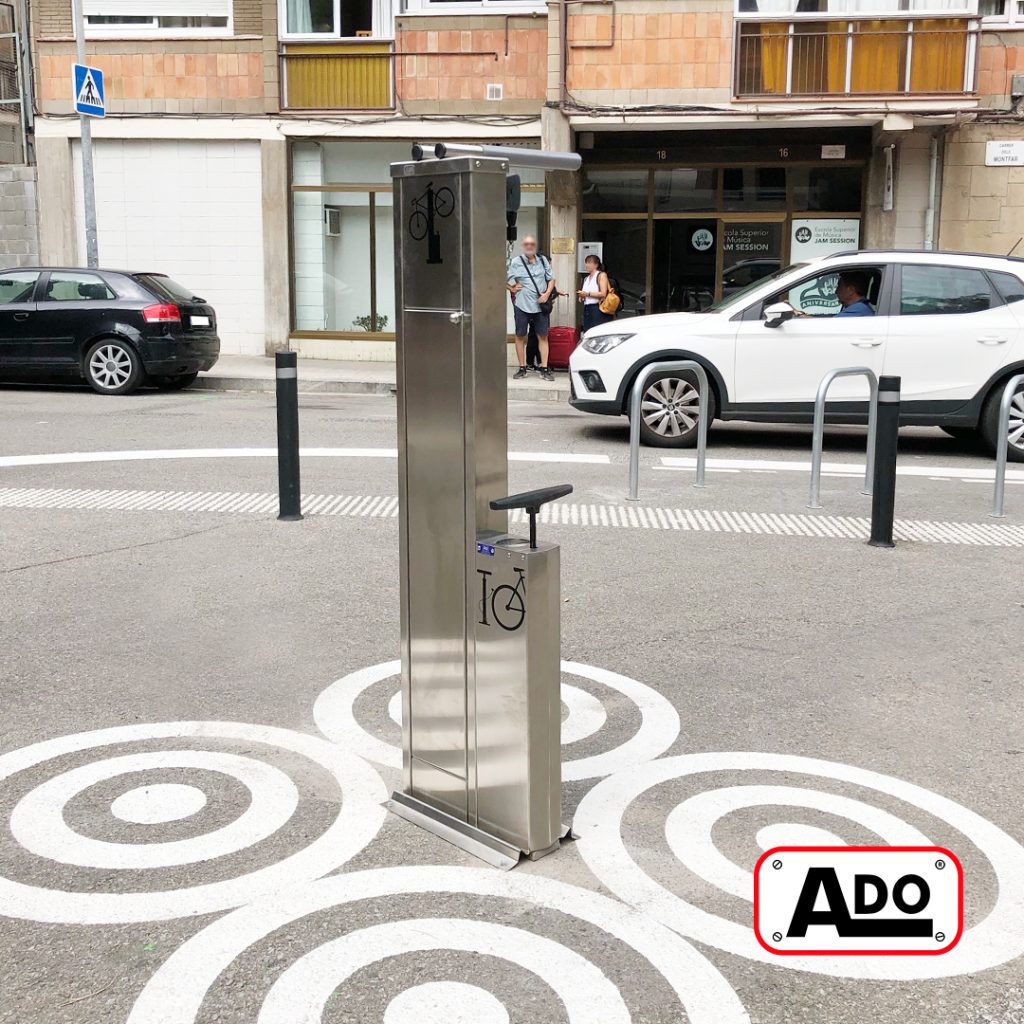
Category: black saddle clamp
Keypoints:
(531, 501)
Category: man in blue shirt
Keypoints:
(851, 291)
(531, 283)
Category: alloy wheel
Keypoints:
(671, 407)
(110, 366)
(1016, 433)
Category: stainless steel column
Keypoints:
(465, 686)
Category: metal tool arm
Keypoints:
(531, 501)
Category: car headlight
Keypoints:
(604, 342)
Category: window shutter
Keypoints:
(158, 8)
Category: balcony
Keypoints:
(891, 57)
(350, 75)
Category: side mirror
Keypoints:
(778, 313)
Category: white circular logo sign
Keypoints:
(702, 240)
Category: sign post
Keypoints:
(90, 101)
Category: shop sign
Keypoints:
(702, 239)
(833, 152)
(742, 241)
(1004, 153)
(820, 237)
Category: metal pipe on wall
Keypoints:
(929, 214)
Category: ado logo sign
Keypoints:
(858, 900)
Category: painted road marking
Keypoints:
(840, 468)
(603, 816)
(299, 992)
(37, 821)
(68, 458)
(335, 715)
(774, 524)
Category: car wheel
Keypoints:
(990, 422)
(961, 433)
(670, 410)
(113, 367)
(176, 383)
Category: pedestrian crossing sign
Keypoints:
(89, 95)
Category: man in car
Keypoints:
(851, 291)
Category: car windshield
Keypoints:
(165, 287)
(738, 298)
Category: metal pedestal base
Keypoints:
(461, 834)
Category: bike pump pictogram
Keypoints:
(480, 607)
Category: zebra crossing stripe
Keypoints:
(615, 517)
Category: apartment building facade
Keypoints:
(247, 145)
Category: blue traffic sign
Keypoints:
(89, 96)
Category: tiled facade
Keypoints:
(998, 61)
(643, 54)
(472, 53)
(231, 74)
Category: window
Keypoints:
(342, 221)
(855, 8)
(941, 290)
(680, 189)
(69, 287)
(1006, 11)
(614, 191)
(754, 188)
(158, 17)
(17, 286)
(344, 18)
(825, 188)
(1009, 286)
(816, 296)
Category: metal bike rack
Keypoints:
(819, 427)
(1003, 440)
(635, 401)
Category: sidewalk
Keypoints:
(331, 376)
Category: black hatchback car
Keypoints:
(115, 328)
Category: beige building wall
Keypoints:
(982, 207)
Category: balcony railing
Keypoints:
(338, 76)
(854, 58)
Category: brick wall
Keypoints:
(472, 52)
(188, 77)
(19, 232)
(982, 207)
(649, 52)
(51, 19)
(173, 75)
(998, 62)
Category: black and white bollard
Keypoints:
(289, 494)
(883, 491)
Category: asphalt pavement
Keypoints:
(193, 763)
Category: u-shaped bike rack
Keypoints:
(819, 427)
(635, 412)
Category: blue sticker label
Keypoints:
(485, 549)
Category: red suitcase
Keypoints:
(561, 342)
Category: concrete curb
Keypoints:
(263, 385)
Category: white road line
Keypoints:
(839, 468)
(774, 524)
(67, 458)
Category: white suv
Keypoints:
(950, 325)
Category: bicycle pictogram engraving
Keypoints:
(432, 204)
(507, 603)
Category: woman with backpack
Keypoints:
(600, 302)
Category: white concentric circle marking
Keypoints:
(586, 714)
(996, 939)
(158, 804)
(334, 713)
(299, 994)
(37, 821)
(445, 1002)
(176, 991)
(361, 813)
